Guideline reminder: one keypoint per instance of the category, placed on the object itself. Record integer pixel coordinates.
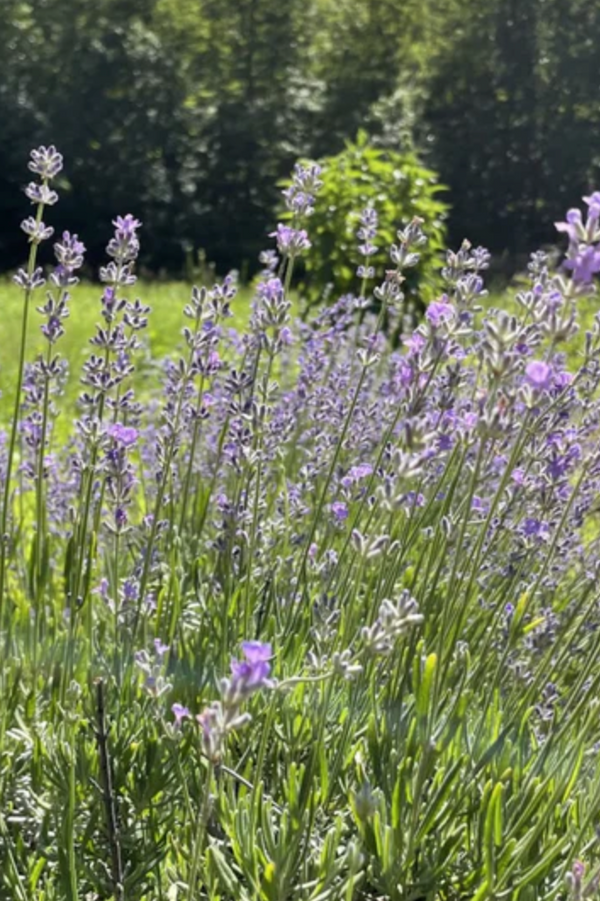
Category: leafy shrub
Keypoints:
(398, 187)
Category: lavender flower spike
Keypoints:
(290, 241)
(46, 161)
(251, 674)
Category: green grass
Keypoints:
(163, 336)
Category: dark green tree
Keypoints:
(514, 113)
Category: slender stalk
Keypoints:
(73, 891)
(41, 536)
(4, 536)
(199, 839)
(40, 506)
(190, 467)
(255, 511)
(87, 488)
(110, 805)
(160, 494)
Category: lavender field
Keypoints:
(299, 608)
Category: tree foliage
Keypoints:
(514, 112)
(188, 112)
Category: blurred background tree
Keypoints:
(188, 112)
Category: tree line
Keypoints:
(189, 112)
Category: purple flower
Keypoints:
(251, 674)
(36, 231)
(46, 161)
(539, 375)
(439, 312)
(102, 588)
(290, 241)
(573, 226)
(123, 248)
(366, 234)
(180, 713)
(160, 648)
(535, 528)
(578, 870)
(360, 472)
(256, 651)
(584, 265)
(41, 194)
(130, 591)
(415, 344)
(583, 255)
(562, 379)
(30, 283)
(121, 518)
(299, 197)
(126, 226)
(286, 336)
(69, 251)
(122, 434)
(593, 203)
(339, 510)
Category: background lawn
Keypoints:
(162, 337)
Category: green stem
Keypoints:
(40, 505)
(188, 476)
(4, 537)
(169, 457)
(199, 839)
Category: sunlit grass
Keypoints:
(163, 336)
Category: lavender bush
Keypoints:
(308, 617)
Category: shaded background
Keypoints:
(187, 112)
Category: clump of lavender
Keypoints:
(411, 524)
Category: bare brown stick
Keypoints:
(110, 804)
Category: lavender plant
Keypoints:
(393, 552)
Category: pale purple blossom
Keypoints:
(180, 713)
(440, 312)
(291, 242)
(538, 375)
(251, 674)
(340, 511)
(46, 162)
(127, 436)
